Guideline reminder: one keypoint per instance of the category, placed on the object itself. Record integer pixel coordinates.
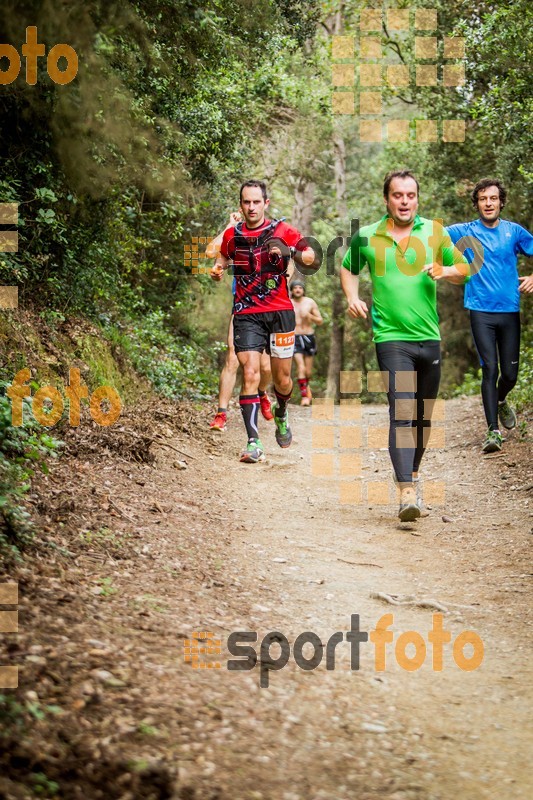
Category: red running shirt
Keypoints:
(260, 278)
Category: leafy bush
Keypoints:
(22, 449)
(175, 368)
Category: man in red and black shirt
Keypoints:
(260, 250)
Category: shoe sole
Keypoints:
(247, 460)
(491, 448)
(289, 432)
(409, 514)
(216, 428)
(284, 444)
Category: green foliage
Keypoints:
(106, 587)
(43, 786)
(175, 368)
(470, 385)
(11, 715)
(23, 449)
(522, 394)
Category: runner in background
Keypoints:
(492, 296)
(228, 376)
(263, 316)
(307, 316)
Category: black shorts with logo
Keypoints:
(305, 344)
(258, 332)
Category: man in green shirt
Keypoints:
(405, 255)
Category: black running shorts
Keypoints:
(272, 331)
(305, 344)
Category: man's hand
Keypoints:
(276, 249)
(305, 258)
(357, 308)
(451, 274)
(234, 218)
(526, 284)
(435, 271)
(216, 272)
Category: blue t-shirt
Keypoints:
(494, 287)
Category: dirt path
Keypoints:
(224, 547)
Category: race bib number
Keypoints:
(282, 345)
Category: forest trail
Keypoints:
(221, 547)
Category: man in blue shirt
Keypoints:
(493, 297)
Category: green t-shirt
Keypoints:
(404, 299)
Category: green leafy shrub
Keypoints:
(175, 367)
(23, 449)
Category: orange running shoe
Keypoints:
(219, 422)
(266, 408)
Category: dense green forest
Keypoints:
(174, 103)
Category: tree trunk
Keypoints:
(336, 347)
(302, 212)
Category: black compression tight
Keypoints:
(410, 397)
(497, 339)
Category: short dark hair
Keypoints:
(398, 173)
(484, 184)
(260, 185)
(297, 282)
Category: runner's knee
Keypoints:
(490, 372)
(509, 375)
(251, 373)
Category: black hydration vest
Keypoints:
(256, 245)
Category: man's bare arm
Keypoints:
(315, 315)
(213, 249)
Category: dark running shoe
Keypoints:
(506, 415)
(283, 432)
(253, 453)
(493, 442)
